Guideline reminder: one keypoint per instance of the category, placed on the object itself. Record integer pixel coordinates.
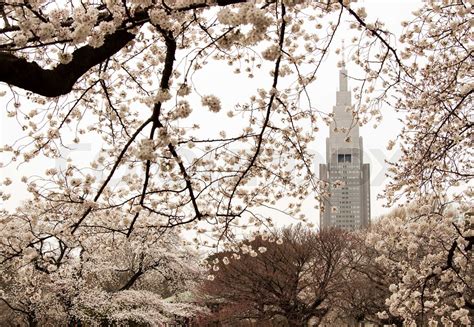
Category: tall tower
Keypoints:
(348, 206)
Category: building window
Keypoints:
(344, 158)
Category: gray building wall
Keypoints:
(348, 206)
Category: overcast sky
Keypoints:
(323, 96)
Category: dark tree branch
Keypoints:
(269, 109)
(376, 33)
(132, 280)
(60, 80)
(111, 173)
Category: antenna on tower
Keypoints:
(343, 71)
(343, 55)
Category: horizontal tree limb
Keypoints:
(61, 79)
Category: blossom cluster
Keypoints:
(212, 102)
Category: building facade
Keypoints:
(348, 206)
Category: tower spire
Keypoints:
(343, 71)
(343, 55)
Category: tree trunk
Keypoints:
(295, 321)
(74, 322)
(32, 321)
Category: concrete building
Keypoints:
(348, 206)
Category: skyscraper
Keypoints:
(348, 206)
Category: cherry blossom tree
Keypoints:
(425, 252)
(97, 278)
(435, 94)
(430, 246)
(122, 72)
(411, 268)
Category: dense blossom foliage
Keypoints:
(95, 278)
(413, 267)
(436, 94)
(426, 250)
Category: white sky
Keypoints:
(322, 92)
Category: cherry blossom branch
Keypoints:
(373, 31)
(164, 85)
(75, 226)
(269, 108)
(17, 71)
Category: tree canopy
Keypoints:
(123, 72)
(298, 280)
